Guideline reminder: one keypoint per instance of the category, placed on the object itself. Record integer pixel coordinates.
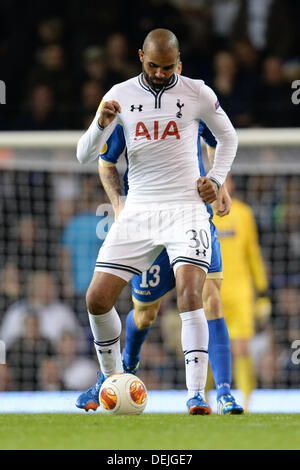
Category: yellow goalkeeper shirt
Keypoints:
(243, 266)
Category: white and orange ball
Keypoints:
(123, 394)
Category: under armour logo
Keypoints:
(179, 114)
(187, 361)
(198, 252)
(139, 107)
(102, 352)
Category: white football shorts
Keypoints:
(140, 233)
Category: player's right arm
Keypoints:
(107, 169)
(99, 131)
(111, 182)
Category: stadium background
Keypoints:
(57, 61)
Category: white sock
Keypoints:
(194, 339)
(106, 330)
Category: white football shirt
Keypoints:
(161, 129)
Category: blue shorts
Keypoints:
(159, 279)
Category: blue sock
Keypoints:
(219, 354)
(134, 341)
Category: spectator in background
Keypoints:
(96, 68)
(26, 354)
(54, 317)
(273, 104)
(266, 23)
(50, 31)
(77, 371)
(117, 50)
(91, 95)
(79, 242)
(248, 62)
(66, 190)
(268, 369)
(95, 64)
(53, 71)
(50, 377)
(39, 112)
(195, 29)
(286, 323)
(10, 286)
(234, 95)
(152, 14)
(28, 245)
(223, 16)
(6, 382)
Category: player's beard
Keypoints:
(158, 85)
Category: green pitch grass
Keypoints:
(149, 431)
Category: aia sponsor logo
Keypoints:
(170, 130)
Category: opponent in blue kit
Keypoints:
(149, 287)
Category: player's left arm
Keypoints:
(101, 128)
(219, 124)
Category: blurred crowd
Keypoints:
(59, 58)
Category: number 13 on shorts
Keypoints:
(155, 277)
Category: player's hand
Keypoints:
(262, 311)
(223, 203)
(207, 189)
(108, 112)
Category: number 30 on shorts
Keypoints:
(198, 238)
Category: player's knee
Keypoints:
(146, 316)
(212, 307)
(98, 302)
(143, 321)
(189, 299)
(189, 286)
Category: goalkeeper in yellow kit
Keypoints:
(243, 288)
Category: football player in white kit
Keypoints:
(165, 207)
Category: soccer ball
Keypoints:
(123, 394)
